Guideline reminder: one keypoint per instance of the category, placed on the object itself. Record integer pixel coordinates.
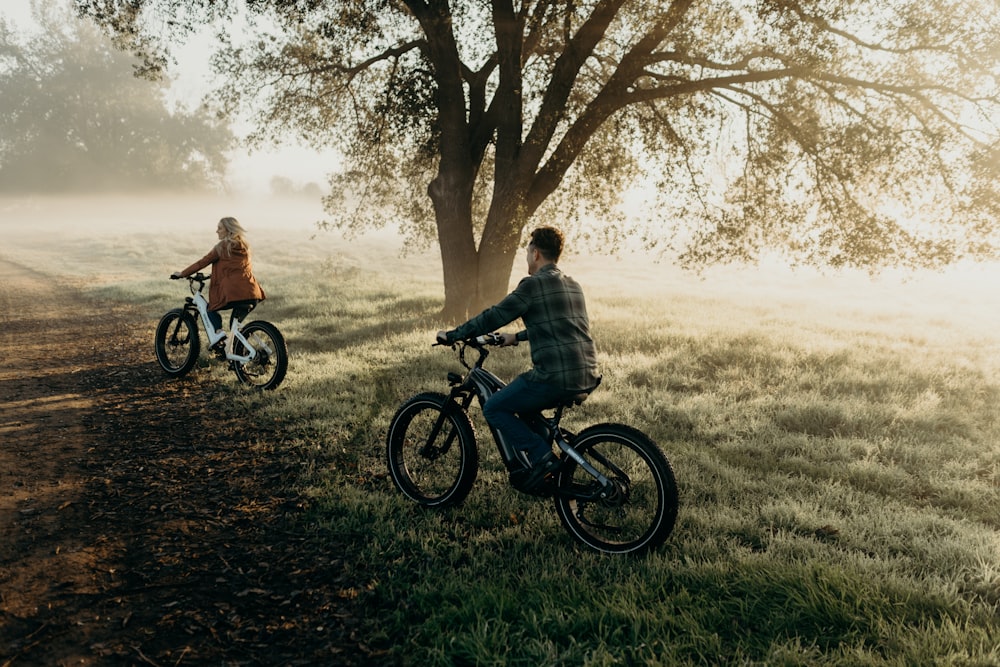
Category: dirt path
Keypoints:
(126, 537)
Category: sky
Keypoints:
(249, 171)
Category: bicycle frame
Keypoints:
(199, 304)
(481, 383)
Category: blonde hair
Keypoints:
(235, 237)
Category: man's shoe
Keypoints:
(548, 465)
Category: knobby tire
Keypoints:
(641, 512)
(438, 472)
(177, 342)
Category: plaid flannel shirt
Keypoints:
(554, 313)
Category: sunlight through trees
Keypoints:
(845, 134)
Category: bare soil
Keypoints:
(138, 525)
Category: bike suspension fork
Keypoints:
(429, 449)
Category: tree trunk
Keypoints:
(495, 269)
(451, 194)
(474, 279)
(498, 247)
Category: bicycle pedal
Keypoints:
(545, 488)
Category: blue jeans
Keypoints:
(525, 397)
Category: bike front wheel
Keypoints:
(638, 509)
(431, 451)
(267, 369)
(177, 343)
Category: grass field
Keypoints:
(836, 441)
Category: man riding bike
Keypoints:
(554, 312)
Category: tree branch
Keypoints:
(612, 97)
(567, 67)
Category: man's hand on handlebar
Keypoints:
(501, 339)
(508, 339)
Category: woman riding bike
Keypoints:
(233, 286)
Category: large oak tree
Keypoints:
(837, 132)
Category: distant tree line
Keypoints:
(74, 117)
(285, 187)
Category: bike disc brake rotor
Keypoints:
(615, 496)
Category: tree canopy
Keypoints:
(73, 117)
(844, 133)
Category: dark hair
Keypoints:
(548, 241)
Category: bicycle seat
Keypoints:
(577, 399)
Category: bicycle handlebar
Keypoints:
(489, 339)
(198, 277)
(475, 341)
(478, 343)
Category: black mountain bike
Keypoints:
(614, 490)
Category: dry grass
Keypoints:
(835, 440)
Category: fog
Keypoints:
(37, 230)
(46, 233)
(40, 231)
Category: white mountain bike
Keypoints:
(256, 350)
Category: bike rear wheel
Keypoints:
(639, 512)
(177, 343)
(268, 368)
(431, 451)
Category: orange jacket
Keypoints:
(232, 276)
